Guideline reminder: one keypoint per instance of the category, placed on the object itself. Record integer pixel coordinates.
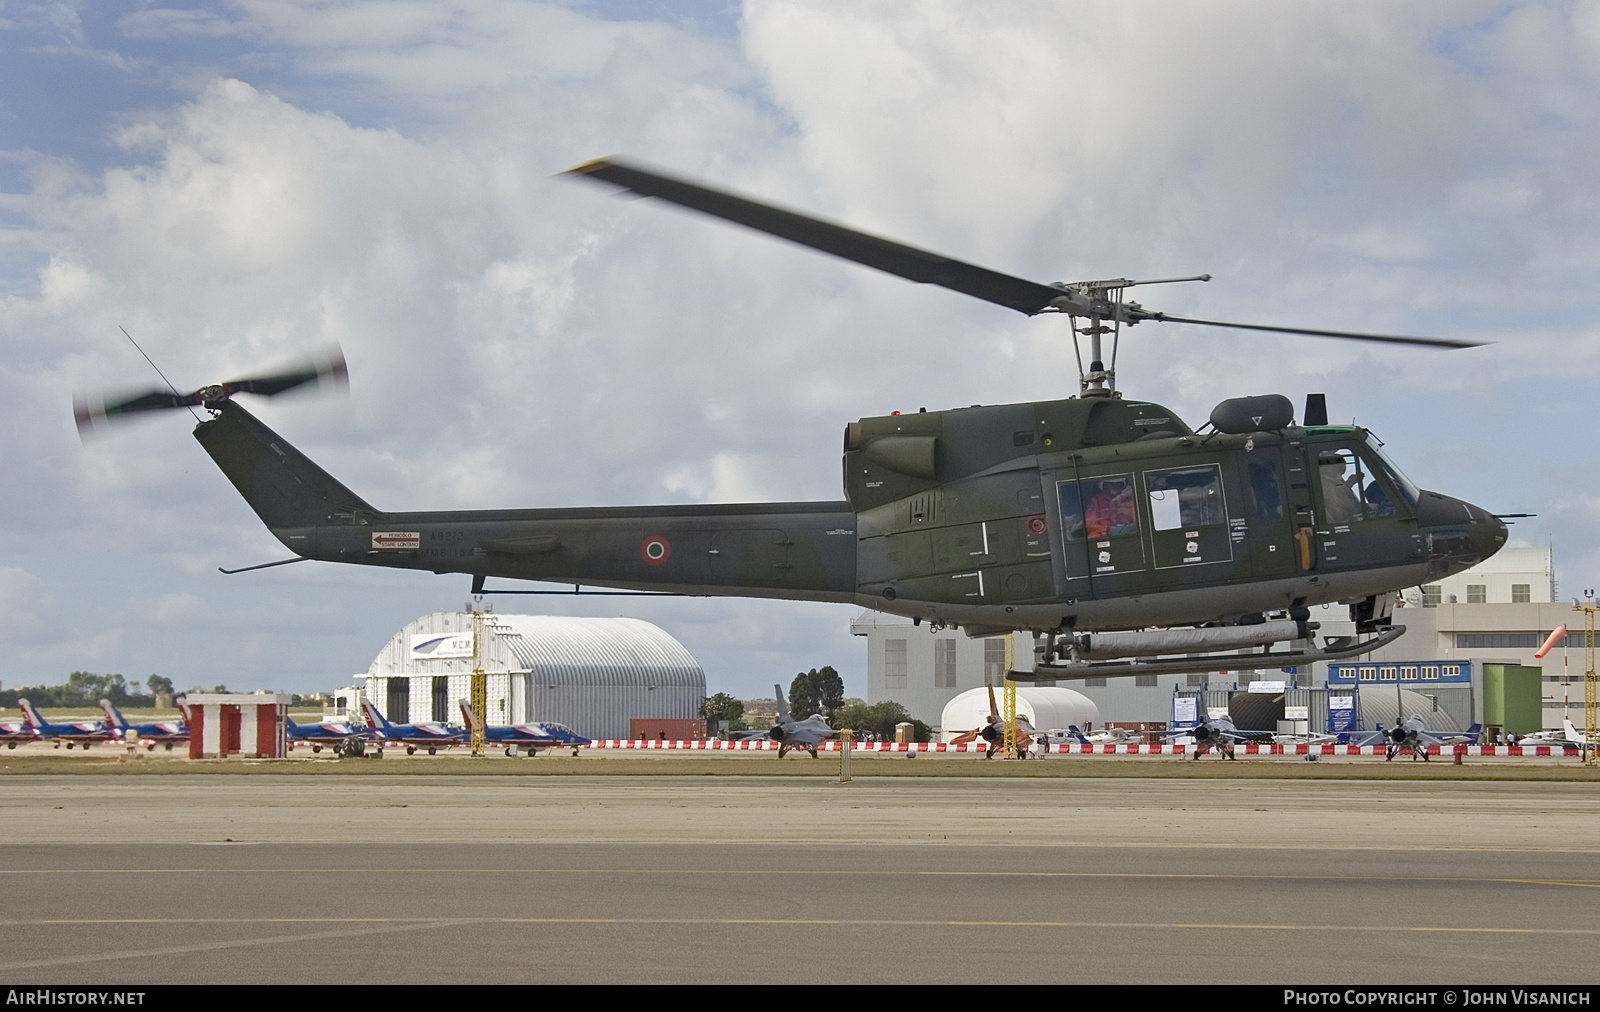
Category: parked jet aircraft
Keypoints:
(1107, 736)
(431, 736)
(790, 733)
(1414, 735)
(161, 732)
(530, 737)
(15, 733)
(332, 734)
(84, 733)
(1217, 733)
(994, 732)
(1569, 738)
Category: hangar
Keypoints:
(591, 674)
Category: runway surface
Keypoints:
(789, 881)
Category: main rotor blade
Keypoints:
(1425, 342)
(922, 266)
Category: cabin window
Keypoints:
(894, 664)
(1188, 516)
(1265, 490)
(1099, 508)
(1188, 498)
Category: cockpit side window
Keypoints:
(1356, 485)
(1340, 476)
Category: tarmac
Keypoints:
(793, 880)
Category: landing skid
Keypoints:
(1335, 649)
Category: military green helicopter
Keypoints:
(1125, 541)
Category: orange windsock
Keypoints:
(1561, 631)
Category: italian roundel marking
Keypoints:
(655, 550)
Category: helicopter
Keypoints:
(1125, 541)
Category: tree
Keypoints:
(880, 719)
(819, 690)
(724, 707)
(159, 686)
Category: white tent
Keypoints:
(1046, 707)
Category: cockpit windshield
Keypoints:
(1407, 489)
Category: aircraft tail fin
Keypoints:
(375, 719)
(1473, 733)
(183, 710)
(114, 717)
(466, 714)
(783, 705)
(279, 482)
(1082, 738)
(30, 716)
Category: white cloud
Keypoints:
(521, 340)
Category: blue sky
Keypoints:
(239, 184)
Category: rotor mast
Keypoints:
(1104, 311)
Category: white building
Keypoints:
(591, 674)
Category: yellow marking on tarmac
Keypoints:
(109, 920)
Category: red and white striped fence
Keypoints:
(977, 748)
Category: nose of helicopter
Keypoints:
(1460, 535)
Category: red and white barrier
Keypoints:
(979, 748)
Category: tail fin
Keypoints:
(1082, 740)
(1473, 733)
(1570, 731)
(466, 713)
(375, 719)
(994, 708)
(279, 482)
(183, 709)
(30, 716)
(114, 717)
(783, 706)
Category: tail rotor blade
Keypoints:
(329, 368)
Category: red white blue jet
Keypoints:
(160, 732)
(15, 733)
(529, 737)
(84, 733)
(331, 733)
(431, 736)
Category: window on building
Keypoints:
(1431, 595)
(1521, 593)
(1408, 672)
(894, 664)
(1386, 673)
(1099, 682)
(1528, 641)
(994, 662)
(1144, 681)
(1477, 593)
(944, 664)
(1430, 672)
(1368, 674)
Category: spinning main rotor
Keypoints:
(1099, 305)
